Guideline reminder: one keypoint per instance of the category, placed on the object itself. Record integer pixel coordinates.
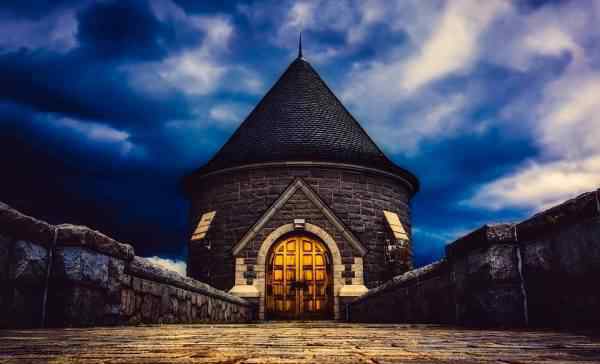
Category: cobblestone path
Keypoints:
(295, 342)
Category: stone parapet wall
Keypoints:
(541, 272)
(560, 249)
(95, 280)
(422, 295)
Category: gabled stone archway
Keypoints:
(272, 238)
(252, 249)
(340, 289)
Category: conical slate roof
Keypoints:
(300, 119)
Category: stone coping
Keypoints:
(481, 238)
(77, 235)
(409, 278)
(24, 227)
(142, 268)
(581, 208)
(19, 226)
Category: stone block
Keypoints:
(29, 263)
(538, 258)
(497, 306)
(76, 235)
(5, 252)
(94, 268)
(577, 248)
(481, 239)
(77, 305)
(19, 226)
(498, 263)
(81, 265)
(23, 309)
(581, 208)
(127, 302)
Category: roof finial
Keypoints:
(300, 46)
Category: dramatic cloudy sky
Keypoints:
(104, 105)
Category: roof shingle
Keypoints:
(300, 119)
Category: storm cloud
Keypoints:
(105, 105)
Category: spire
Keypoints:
(300, 46)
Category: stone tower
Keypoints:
(299, 210)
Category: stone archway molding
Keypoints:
(276, 234)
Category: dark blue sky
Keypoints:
(105, 105)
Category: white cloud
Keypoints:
(399, 85)
(540, 185)
(198, 71)
(98, 133)
(564, 120)
(428, 120)
(177, 266)
(550, 41)
(94, 131)
(193, 72)
(223, 113)
(566, 126)
(56, 31)
(569, 115)
(301, 14)
(227, 114)
(551, 31)
(289, 18)
(450, 48)
(454, 44)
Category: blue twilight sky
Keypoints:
(104, 105)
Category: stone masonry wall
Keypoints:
(240, 198)
(423, 295)
(95, 280)
(541, 272)
(299, 206)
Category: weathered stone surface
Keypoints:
(481, 238)
(29, 263)
(408, 278)
(76, 305)
(559, 268)
(76, 235)
(5, 249)
(81, 265)
(141, 267)
(496, 264)
(423, 295)
(96, 281)
(576, 210)
(20, 226)
(297, 342)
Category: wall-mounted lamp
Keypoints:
(299, 224)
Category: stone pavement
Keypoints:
(295, 342)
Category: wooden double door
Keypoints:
(299, 281)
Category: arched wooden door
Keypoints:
(299, 280)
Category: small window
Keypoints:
(203, 225)
(395, 225)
